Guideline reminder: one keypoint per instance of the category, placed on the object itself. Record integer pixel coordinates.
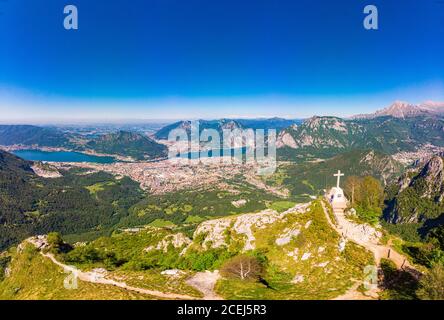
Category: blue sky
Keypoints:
(159, 59)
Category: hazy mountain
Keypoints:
(400, 109)
(219, 125)
(130, 144)
(32, 135)
(124, 143)
(271, 123)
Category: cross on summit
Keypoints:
(339, 175)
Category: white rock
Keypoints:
(243, 224)
(298, 279)
(323, 264)
(286, 237)
(305, 256)
(178, 240)
(293, 253)
(341, 245)
(239, 203)
(172, 272)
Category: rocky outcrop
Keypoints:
(177, 240)
(420, 194)
(385, 165)
(432, 174)
(45, 170)
(216, 231)
(285, 139)
(320, 132)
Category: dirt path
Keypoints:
(205, 282)
(353, 294)
(96, 277)
(368, 237)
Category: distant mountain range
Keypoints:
(399, 127)
(32, 135)
(219, 125)
(400, 109)
(123, 143)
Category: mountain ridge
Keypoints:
(402, 109)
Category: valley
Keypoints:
(129, 223)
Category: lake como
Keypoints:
(61, 156)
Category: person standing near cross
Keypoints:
(339, 175)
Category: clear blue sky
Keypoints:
(213, 58)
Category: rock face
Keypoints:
(285, 139)
(216, 231)
(319, 132)
(420, 194)
(432, 174)
(400, 128)
(384, 164)
(178, 240)
(46, 171)
(286, 237)
(401, 109)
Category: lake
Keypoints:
(72, 156)
(61, 156)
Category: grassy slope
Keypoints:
(319, 282)
(35, 277)
(129, 247)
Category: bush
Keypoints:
(426, 254)
(56, 243)
(397, 284)
(431, 286)
(89, 255)
(4, 261)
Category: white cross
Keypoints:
(339, 175)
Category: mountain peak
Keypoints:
(403, 109)
(400, 109)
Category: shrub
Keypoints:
(397, 284)
(431, 285)
(56, 243)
